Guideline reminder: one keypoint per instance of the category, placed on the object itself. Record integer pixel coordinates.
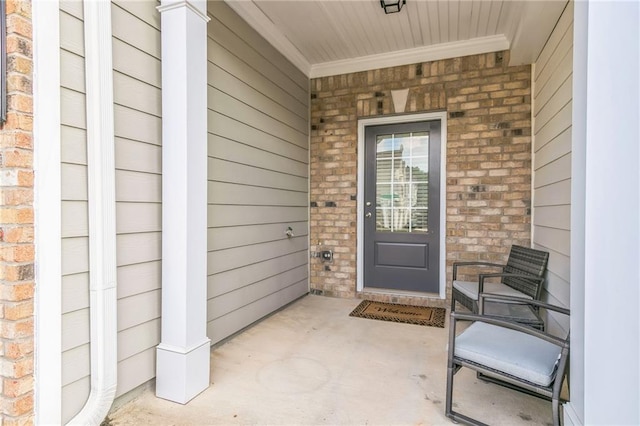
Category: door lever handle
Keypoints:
(368, 215)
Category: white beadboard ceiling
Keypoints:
(330, 37)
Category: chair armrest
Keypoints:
(482, 297)
(458, 264)
(506, 274)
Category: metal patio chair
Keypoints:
(521, 276)
(509, 354)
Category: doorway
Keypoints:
(401, 204)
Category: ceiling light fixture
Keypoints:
(392, 6)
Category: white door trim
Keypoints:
(396, 119)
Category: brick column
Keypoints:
(16, 223)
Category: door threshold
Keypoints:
(400, 293)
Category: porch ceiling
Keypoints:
(329, 37)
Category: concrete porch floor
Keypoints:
(312, 364)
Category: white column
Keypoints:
(611, 326)
(48, 212)
(183, 355)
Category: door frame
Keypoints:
(397, 119)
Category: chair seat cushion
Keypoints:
(470, 289)
(509, 351)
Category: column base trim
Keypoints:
(183, 374)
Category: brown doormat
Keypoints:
(420, 315)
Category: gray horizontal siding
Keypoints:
(138, 160)
(137, 114)
(75, 229)
(258, 176)
(552, 109)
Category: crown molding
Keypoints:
(254, 16)
(411, 56)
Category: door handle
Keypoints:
(368, 215)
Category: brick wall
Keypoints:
(16, 223)
(488, 157)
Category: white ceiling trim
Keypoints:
(532, 31)
(266, 28)
(411, 56)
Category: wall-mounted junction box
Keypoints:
(326, 255)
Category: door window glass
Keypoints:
(402, 182)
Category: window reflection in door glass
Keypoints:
(402, 182)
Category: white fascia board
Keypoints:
(532, 31)
(267, 29)
(411, 56)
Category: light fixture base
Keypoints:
(392, 6)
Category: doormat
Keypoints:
(420, 315)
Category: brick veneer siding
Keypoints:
(16, 223)
(488, 159)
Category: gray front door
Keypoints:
(402, 206)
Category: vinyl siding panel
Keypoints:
(225, 238)
(72, 402)
(242, 41)
(76, 364)
(75, 229)
(138, 163)
(552, 109)
(136, 370)
(137, 126)
(227, 281)
(223, 103)
(139, 278)
(259, 44)
(75, 292)
(233, 65)
(73, 145)
(74, 219)
(258, 176)
(226, 171)
(229, 128)
(72, 108)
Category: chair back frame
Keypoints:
(526, 261)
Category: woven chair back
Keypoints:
(526, 261)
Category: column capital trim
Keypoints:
(181, 4)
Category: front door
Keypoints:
(402, 206)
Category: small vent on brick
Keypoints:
(316, 291)
(380, 106)
(516, 132)
(314, 127)
(327, 268)
(456, 114)
(498, 58)
(354, 197)
(330, 204)
(503, 125)
(478, 188)
(313, 204)
(379, 94)
(419, 69)
(321, 120)
(313, 96)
